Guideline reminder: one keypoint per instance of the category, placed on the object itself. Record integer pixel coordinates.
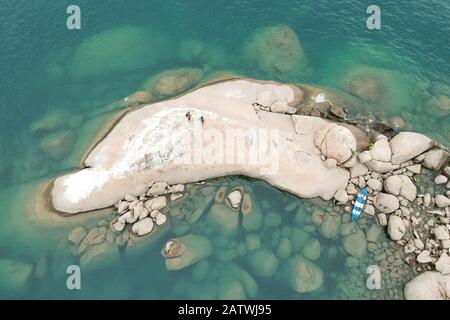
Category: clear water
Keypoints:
(45, 67)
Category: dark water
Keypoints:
(46, 68)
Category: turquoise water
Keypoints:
(45, 68)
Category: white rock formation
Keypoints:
(143, 227)
(341, 196)
(396, 229)
(156, 143)
(386, 203)
(430, 285)
(235, 198)
(440, 179)
(435, 159)
(407, 145)
(442, 201)
(335, 142)
(443, 264)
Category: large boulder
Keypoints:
(14, 276)
(386, 203)
(263, 262)
(311, 250)
(330, 226)
(230, 288)
(99, 256)
(430, 285)
(302, 275)
(335, 142)
(355, 244)
(173, 82)
(182, 252)
(119, 50)
(407, 145)
(275, 50)
(435, 159)
(396, 228)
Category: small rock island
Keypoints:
(160, 153)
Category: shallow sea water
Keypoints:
(46, 68)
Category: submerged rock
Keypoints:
(311, 250)
(336, 142)
(355, 244)
(99, 256)
(263, 262)
(182, 252)
(136, 98)
(230, 288)
(435, 159)
(118, 50)
(58, 144)
(14, 275)
(386, 203)
(330, 226)
(302, 275)
(52, 120)
(174, 82)
(396, 228)
(443, 264)
(223, 219)
(220, 195)
(275, 50)
(247, 206)
(77, 235)
(247, 281)
(430, 285)
(254, 220)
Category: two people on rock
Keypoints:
(189, 116)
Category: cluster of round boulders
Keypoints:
(407, 180)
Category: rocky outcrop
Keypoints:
(396, 228)
(435, 159)
(335, 142)
(430, 285)
(407, 145)
(154, 143)
(386, 203)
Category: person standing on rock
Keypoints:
(188, 115)
(202, 120)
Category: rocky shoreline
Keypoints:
(407, 176)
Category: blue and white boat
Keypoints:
(360, 201)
